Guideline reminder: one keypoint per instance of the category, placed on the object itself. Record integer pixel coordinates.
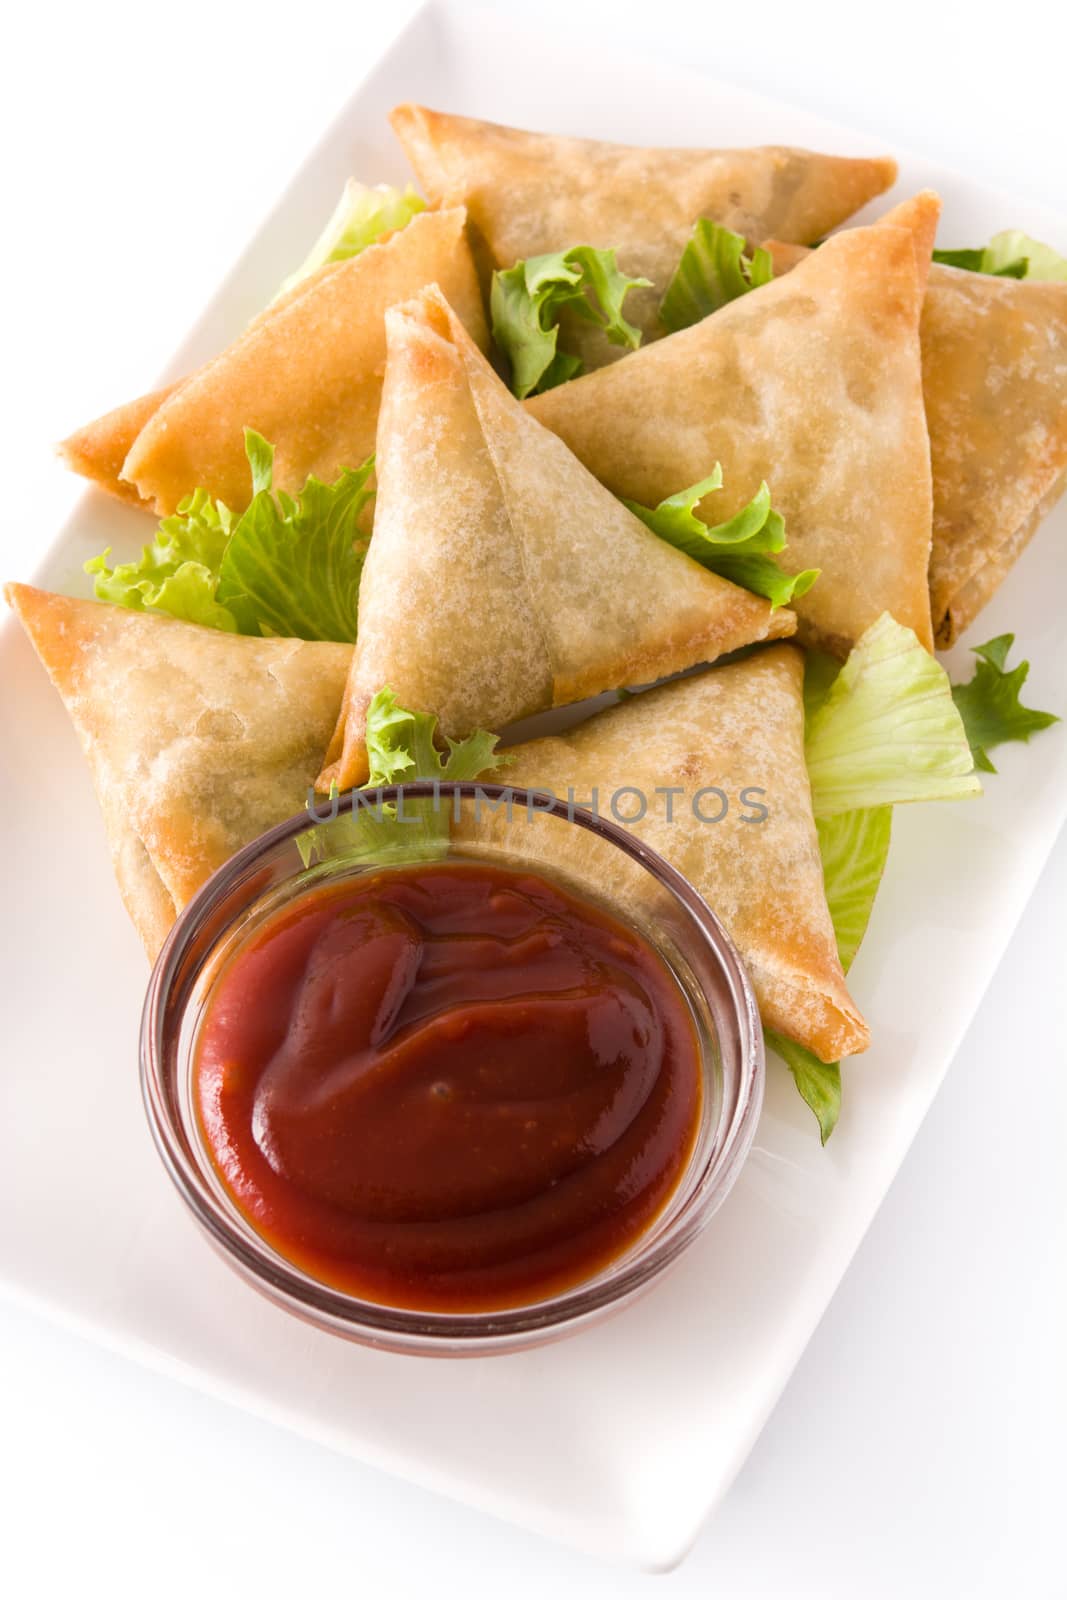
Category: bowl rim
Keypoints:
(403, 1328)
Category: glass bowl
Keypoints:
(506, 827)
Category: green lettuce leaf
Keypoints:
(401, 748)
(527, 299)
(361, 217)
(889, 692)
(1042, 261)
(979, 261)
(989, 705)
(293, 567)
(714, 269)
(739, 549)
(854, 846)
(820, 674)
(284, 567)
(888, 731)
(819, 1082)
(1011, 254)
(178, 572)
(882, 730)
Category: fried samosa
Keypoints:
(98, 450)
(812, 383)
(994, 355)
(531, 193)
(306, 374)
(502, 579)
(198, 740)
(738, 727)
(995, 380)
(919, 215)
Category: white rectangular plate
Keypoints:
(620, 1440)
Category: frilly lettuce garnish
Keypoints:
(526, 301)
(882, 731)
(402, 747)
(292, 567)
(715, 268)
(739, 549)
(178, 572)
(990, 706)
(363, 215)
(1011, 254)
(888, 731)
(283, 567)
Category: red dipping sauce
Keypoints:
(448, 1087)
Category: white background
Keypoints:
(918, 1450)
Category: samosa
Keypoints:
(995, 381)
(994, 356)
(736, 732)
(98, 450)
(532, 193)
(198, 740)
(502, 579)
(812, 383)
(306, 374)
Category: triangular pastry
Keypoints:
(502, 578)
(531, 193)
(98, 450)
(995, 381)
(734, 734)
(994, 353)
(198, 740)
(812, 383)
(306, 374)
